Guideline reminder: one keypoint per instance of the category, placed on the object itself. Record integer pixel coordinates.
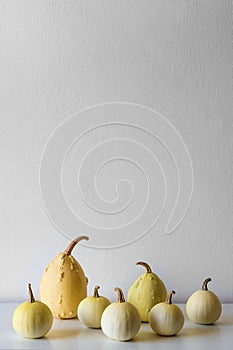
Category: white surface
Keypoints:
(58, 57)
(71, 334)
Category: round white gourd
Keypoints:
(91, 308)
(120, 320)
(203, 306)
(166, 318)
(32, 319)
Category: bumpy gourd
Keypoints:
(203, 306)
(91, 308)
(120, 320)
(166, 318)
(64, 284)
(147, 291)
(32, 319)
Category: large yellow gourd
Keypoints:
(64, 284)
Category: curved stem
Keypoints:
(31, 298)
(142, 263)
(121, 298)
(169, 297)
(96, 294)
(73, 244)
(204, 284)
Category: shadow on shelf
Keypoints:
(62, 333)
(200, 330)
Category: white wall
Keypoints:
(175, 57)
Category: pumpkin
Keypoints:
(120, 320)
(91, 308)
(64, 284)
(203, 306)
(166, 318)
(147, 291)
(32, 319)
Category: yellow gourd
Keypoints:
(91, 308)
(166, 318)
(147, 291)
(32, 319)
(120, 320)
(203, 306)
(64, 284)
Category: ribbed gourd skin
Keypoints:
(120, 321)
(203, 307)
(166, 319)
(32, 320)
(90, 311)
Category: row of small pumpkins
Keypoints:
(63, 295)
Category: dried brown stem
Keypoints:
(142, 263)
(31, 298)
(204, 284)
(96, 294)
(169, 297)
(72, 244)
(121, 298)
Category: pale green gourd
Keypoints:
(203, 306)
(120, 320)
(166, 318)
(91, 308)
(147, 291)
(32, 319)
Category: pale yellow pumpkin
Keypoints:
(32, 319)
(120, 320)
(91, 308)
(203, 306)
(64, 284)
(166, 318)
(147, 291)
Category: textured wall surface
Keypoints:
(175, 57)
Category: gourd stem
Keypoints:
(31, 298)
(73, 244)
(96, 294)
(169, 297)
(121, 298)
(142, 263)
(204, 285)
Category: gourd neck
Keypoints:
(72, 244)
(121, 298)
(31, 298)
(169, 297)
(204, 284)
(144, 264)
(96, 294)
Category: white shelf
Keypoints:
(71, 334)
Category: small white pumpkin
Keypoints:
(120, 320)
(32, 319)
(166, 318)
(203, 306)
(91, 308)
